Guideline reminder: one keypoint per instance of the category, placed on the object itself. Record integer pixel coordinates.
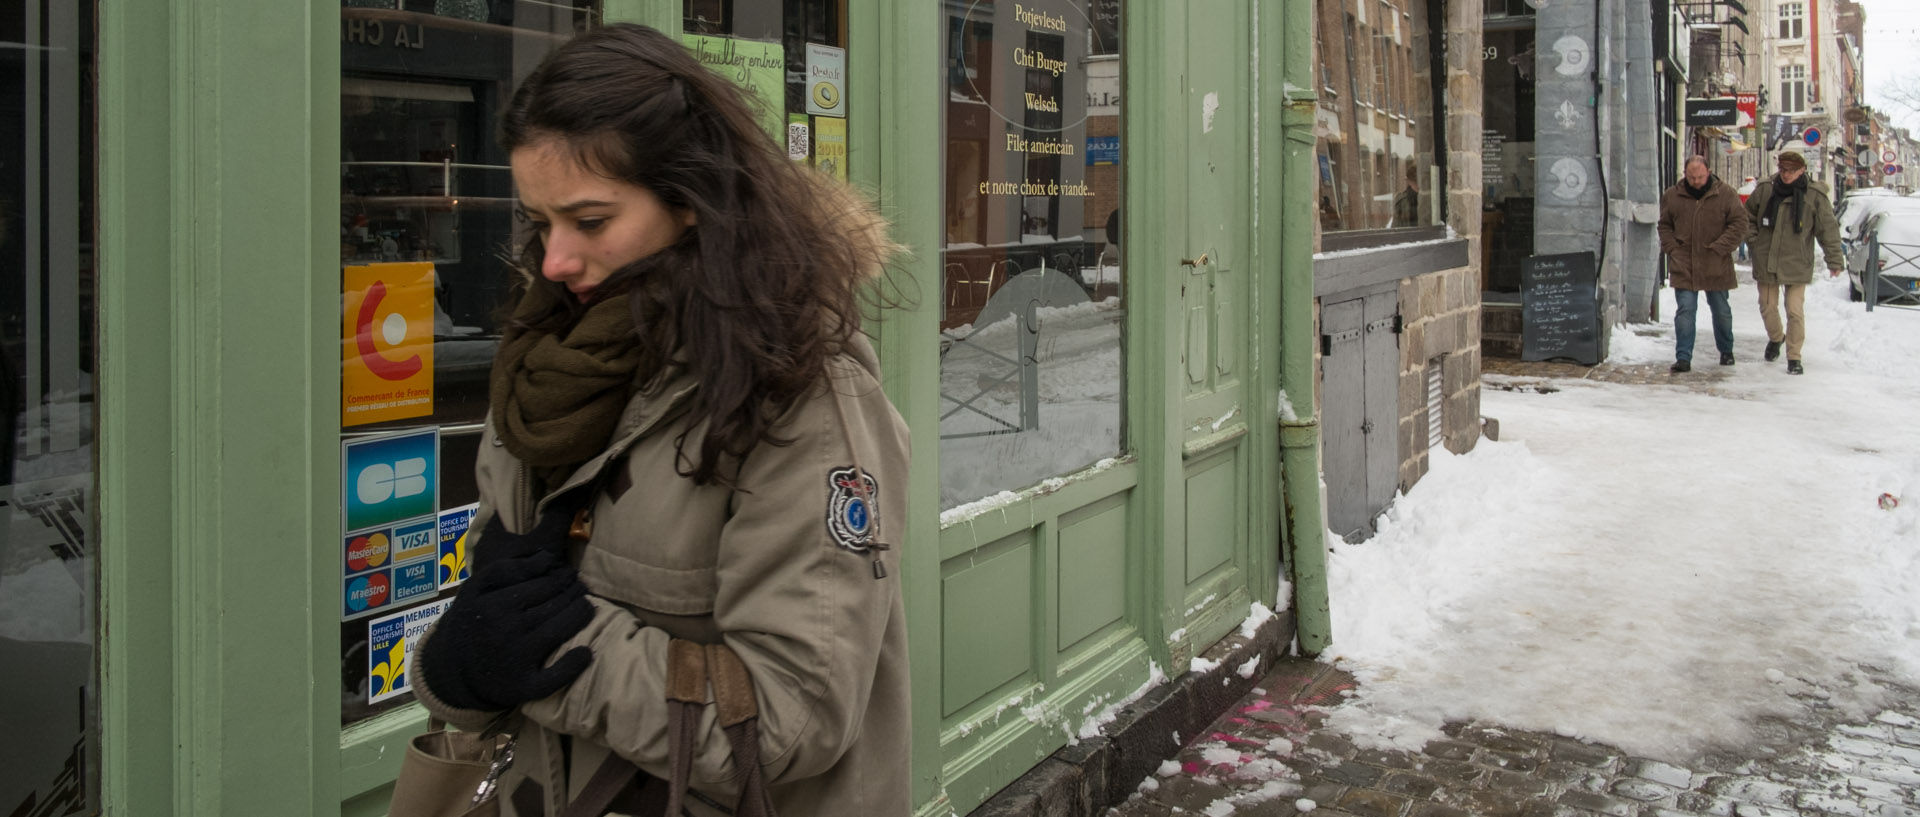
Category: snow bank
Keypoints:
(1652, 567)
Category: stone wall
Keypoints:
(1443, 331)
(1440, 311)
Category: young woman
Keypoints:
(687, 446)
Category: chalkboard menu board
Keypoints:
(1560, 308)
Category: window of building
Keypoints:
(1376, 141)
(49, 550)
(426, 214)
(1793, 20)
(1032, 294)
(1793, 89)
(800, 50)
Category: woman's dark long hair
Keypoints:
(764, 288)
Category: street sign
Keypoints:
(1893, 170)
(1887, 156)
(1811, 136)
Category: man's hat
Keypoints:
(1792, 158)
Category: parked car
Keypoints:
(1855, 210)
(1898, 235)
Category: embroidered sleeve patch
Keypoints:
(850, 495)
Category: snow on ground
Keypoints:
(1655, 567)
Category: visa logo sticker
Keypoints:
(389, 478)
(390, 642)
(370, 592)
(454, 524)
(418, 540)
(413, 581)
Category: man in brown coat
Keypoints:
(1701, 224)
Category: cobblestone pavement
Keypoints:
(1269, 756)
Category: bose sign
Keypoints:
(1720, 112)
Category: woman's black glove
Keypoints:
(489, 650)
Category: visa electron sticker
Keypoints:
(412, 581)
(390, 642)
(454, 567)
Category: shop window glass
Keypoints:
(1506, 157)
(426, 221)
(1375, 128)
(49, 597)
(791, 58)
(1031, 297)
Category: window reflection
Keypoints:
(48, 546)
(426, 222)
(1031, 298)
(1374, 122)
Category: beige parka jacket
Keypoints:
(1783, 256)
(777, 567)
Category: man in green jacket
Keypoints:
(1789, 212)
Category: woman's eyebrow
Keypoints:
(572, 207)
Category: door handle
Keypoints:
(1194, 262)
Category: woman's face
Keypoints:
(590, 225)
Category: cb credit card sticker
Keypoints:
(390, 642)
(454, 525)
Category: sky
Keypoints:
(1655, 567)
(1893, 36)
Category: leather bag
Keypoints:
(443, 773)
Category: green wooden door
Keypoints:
(1206, 568)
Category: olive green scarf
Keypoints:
(556, 398)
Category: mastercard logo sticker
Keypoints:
(367, 551)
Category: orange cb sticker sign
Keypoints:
(386, 342)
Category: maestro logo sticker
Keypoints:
(386, 336)
(368, 592)
(389, 479)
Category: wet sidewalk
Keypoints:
(1272, 755)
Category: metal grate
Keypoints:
(1436, 404)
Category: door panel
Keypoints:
(987, 609)
(1344, 395)
(1383, 399)
(1211, 232)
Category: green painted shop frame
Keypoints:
(219, 124)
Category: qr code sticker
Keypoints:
(798, 148)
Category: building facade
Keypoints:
(1397, 138)
(1574, 151)
(246, 342)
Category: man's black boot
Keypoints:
(1773, 351)
(1793, 367)
(1726, 358)
(1681, 366)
